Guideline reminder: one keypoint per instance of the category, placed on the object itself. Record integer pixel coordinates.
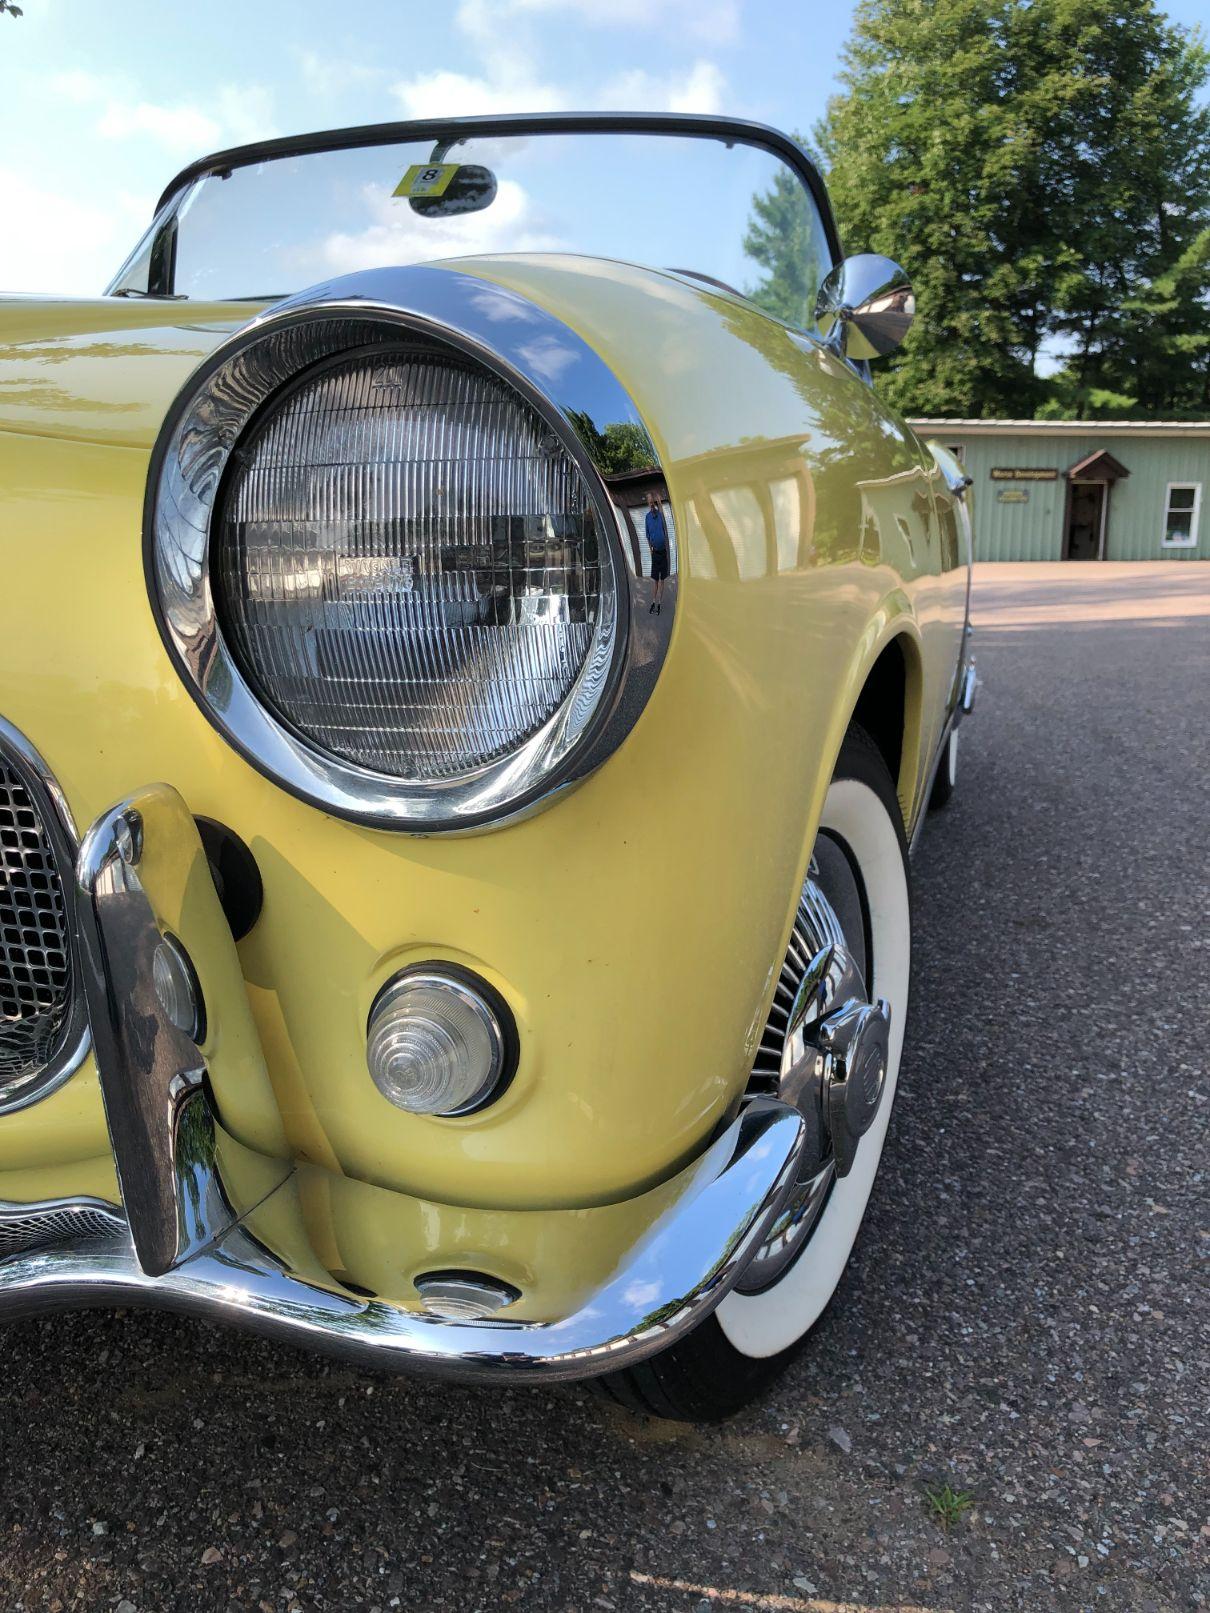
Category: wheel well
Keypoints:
(881, 706)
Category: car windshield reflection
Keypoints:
(730, 214)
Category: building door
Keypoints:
(1086, 521)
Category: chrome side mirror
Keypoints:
(865, 307)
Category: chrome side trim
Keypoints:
(721, 1209)
(563, 379)
(60, 828)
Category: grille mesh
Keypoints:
(35, 958)
(35, 1226)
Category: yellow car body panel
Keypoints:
(635, 926)
(100, 369)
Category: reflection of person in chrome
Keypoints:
(657, 542)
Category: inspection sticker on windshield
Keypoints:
(426, 179)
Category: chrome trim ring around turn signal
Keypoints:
(458, 1002)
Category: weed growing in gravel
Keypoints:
(947, 1505)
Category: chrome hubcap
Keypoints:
(833, 1055)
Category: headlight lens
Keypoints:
(408, 566)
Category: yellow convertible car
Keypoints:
(474, 654)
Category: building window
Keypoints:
(958, 450)
(1181, 511)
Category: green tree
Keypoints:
(781, 240)
(619, 447)
(1042, 170)
(1134, 303)
(1150, 355)
(13, 11)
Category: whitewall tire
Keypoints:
(726, 1361)
(765, 1324)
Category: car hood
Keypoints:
(105, 369)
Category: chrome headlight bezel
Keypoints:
(559, 376)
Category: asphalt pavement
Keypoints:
(1025, 1318)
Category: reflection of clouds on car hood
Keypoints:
(549, 358)
(398, 235)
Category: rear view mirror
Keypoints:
(469, 189)
(865, 307)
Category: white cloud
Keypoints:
(508, 82)
(233, 115)
(329, 76)
(244, 113)
(701, 89)
(63, 245)
(397, 235)
(178, 129)
(712, 21)
(77, 86)
(73, 243)
(443, 95)
(510, 87)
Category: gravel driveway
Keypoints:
(1023, 1319)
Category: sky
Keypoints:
(100, 104)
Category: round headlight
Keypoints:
(395, 548)
(408, 566)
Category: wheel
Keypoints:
(857, 892)
(946, 780)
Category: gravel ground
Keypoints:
(1022, 1320)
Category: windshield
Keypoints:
(735, 213)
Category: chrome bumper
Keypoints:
(191, 1241)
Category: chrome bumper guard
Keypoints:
(967, 689)
(186, 1241)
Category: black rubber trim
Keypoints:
(942, 791)
(236, 876)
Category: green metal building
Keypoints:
(1084, 490)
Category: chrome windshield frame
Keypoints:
(449, 131)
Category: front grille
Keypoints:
(36, 1017)
(38, 1226)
